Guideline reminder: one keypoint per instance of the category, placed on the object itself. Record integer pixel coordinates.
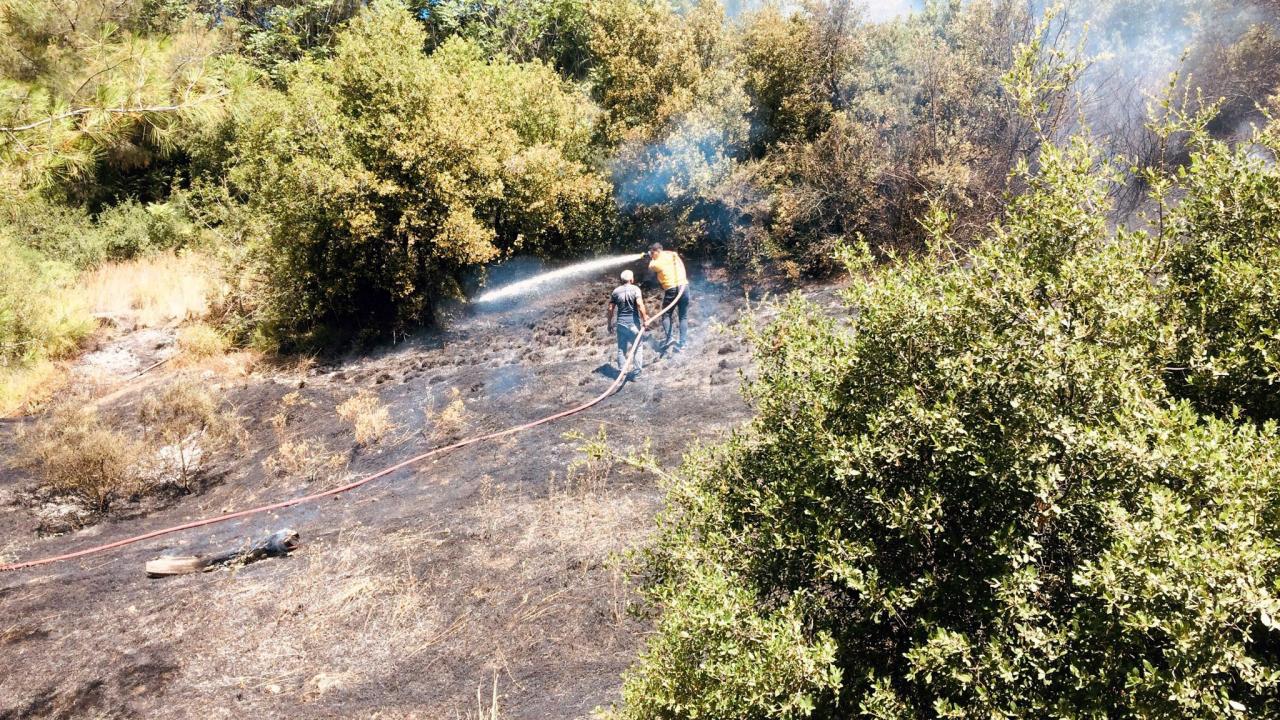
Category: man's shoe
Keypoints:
(633, 377)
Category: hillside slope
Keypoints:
(410, 594)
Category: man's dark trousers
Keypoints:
(681, 309)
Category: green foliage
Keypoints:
(93, 98)
(69, 235)
(38, 317)
(782, 64)
(716, 656)
(54, 230)
(981, 490)
(275, 34)
(383, 174)
(1224, 276)
(554, 31)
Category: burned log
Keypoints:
(281, 542)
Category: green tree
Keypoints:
(383, 174)
(783, 78)
(93, 97)
(977, 485)
(1223, 273)
(557, 32)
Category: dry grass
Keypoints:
(402, 623)
(353, 610)
(77, 457)
(187, 425)
(580, 331)
(486, 713)
(370, 419)
(291, 404)
(199, 341)
(452, 420)
(307, 460)
(368, 613)
(25, 389)
(156, 290)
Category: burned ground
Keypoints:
(494, 563)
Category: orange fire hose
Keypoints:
(617, 383)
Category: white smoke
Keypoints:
(874, 10)
(885, 10)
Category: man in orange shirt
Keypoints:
(669, 268)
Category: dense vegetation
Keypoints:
(1030, 473)
(1020, 481)
(352, 165)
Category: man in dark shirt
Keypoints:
(628, 303)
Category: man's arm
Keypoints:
(608, 316)
(644, 314)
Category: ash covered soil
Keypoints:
(492, 566)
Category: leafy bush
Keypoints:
(39, 316)
(719, 657)
(130, 230)
(977, 498)
(384, 174)
(553, 31)
(58, 232)
(1224, 276)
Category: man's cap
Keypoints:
(628, 276)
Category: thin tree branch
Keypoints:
(116, 111)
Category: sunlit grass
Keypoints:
(156, 290)
(23, 388)
(159, 290)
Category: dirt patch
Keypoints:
(122, 357)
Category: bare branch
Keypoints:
(115, 111)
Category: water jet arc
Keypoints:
(522, 287)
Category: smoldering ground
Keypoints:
(409, 594)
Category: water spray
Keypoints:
(517, 289)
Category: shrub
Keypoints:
(1224, 276)
(75, 455)
(58, 232)
(980, 496)
(384, 175)
(743, 663)
(131, 229)
(40, 317)
(369, 418)
(186, 425)
(201, 341)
